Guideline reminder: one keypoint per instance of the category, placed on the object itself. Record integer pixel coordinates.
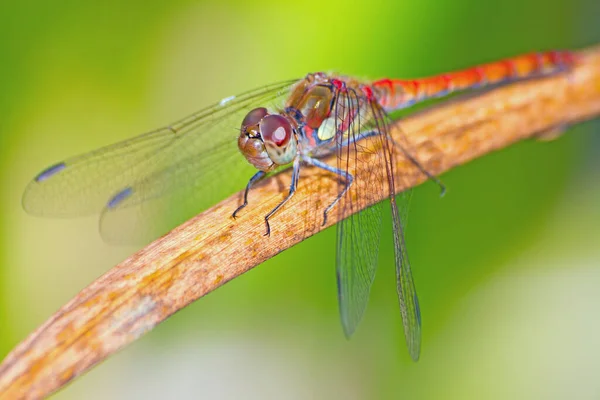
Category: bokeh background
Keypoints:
(507, 264)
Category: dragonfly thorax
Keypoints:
(325, 108)
(267, 140)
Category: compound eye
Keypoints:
(254, 117)
(276, 129)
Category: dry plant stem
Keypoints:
(212, 248)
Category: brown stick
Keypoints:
(211, 249)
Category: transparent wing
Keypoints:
(356, 264)
(407, 294)
(155, 203)
(368, 144)
(358, 236)
(180, 160)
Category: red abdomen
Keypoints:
(395, 94)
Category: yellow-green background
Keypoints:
(507, 265)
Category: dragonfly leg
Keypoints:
(344, 174)
(255, 178)
(293, 185)
(411, 158)
(421, 168)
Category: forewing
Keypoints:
(83, 184)
(407, 294)
(171, 171)
(358, 236)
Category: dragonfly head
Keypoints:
(267, 140)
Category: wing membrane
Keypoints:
(407, 294)
(84, 184)
(358, 236)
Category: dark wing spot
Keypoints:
(119, 197)
(417, 308)
(50, 171)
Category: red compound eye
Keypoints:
(276, 129)
(254, 117)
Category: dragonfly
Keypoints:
(291, 124)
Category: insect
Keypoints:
(294, 123)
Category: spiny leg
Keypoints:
(416, 163)
(412, 159)
(345, 174)
(293, 185)
(255, 178)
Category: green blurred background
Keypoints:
(506, 264)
